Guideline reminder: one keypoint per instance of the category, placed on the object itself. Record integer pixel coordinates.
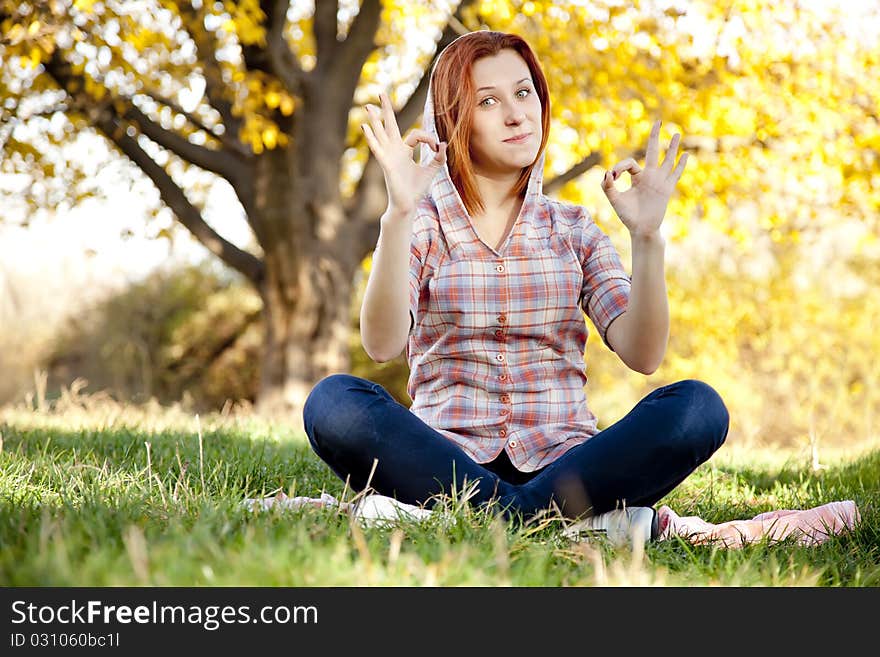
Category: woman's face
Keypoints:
(507, 105)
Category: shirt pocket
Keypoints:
(466, 296)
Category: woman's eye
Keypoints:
(483, 102)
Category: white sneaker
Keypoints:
(630, 526)
(381, 511)
(282, 501)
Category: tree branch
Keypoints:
(217, 161)
(325, 27)
(581, 167)
(214, 84)
(229, 143)
(321, 135)
(172, 195)
(349, 56)
(220, 162)
(284, 64)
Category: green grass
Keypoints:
(81, 506)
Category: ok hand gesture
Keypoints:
(405, 180)
(641, 208)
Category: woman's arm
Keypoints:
(639, 335)
(385, 309)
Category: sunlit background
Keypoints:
(772, 238)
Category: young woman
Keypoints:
(483, 280)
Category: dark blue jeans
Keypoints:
(636, 461)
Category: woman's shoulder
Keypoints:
(566, 217)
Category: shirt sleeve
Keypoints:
(606, 288)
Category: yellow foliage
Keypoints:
(246, 22)
(273, 99)
(285, 105)
(270, 137)
(784, 149)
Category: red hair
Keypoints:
(453, 95)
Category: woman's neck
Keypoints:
(496, 192)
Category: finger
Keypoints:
(440, 158)
(417, 136)
(608, 186)
(388, 116)
(629, 165)
(651, 154)
(376, 124)
(671, 154)
(679, 169)
(371, 142)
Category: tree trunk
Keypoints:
(307, 321)
(307, 288)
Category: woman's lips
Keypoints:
(519, 140)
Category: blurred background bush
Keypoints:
(794, 358)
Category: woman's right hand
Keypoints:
(405, 180)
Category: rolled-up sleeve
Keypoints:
(606, 288)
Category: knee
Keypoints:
(707, 419)
(332, 406)
(327, 393)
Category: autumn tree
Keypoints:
(280, 90)
(275, 121)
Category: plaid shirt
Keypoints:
(496, 350)
(496, 346)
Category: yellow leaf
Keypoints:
(273, 98)
(286, 105)
(46, 43)
(636, 109)
(270, 137)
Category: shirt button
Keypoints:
(502, 319)
(503, 377)
(503, 432)
(505, 398)
(513, 443)
(499, 333)
(500, 358)
(505, 411)
(500, 269)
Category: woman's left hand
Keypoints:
(642, 206)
